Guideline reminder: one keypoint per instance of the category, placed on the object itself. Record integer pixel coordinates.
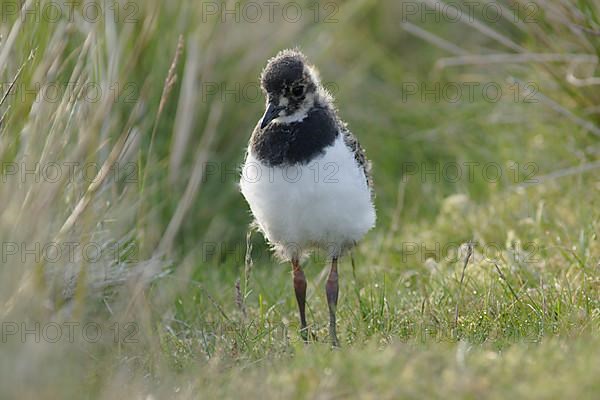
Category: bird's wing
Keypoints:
(359, 154)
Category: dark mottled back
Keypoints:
(283, 70)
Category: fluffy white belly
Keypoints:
(325, 203)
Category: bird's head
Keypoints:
(291, 86)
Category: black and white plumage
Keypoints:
(306, 177)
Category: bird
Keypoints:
(305, 177)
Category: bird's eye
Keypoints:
(298, 90)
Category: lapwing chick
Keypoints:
(306, 178)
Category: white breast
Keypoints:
(325, 203)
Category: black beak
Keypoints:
(271, 113)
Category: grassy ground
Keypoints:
(128, 270)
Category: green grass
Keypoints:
(192, 305)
